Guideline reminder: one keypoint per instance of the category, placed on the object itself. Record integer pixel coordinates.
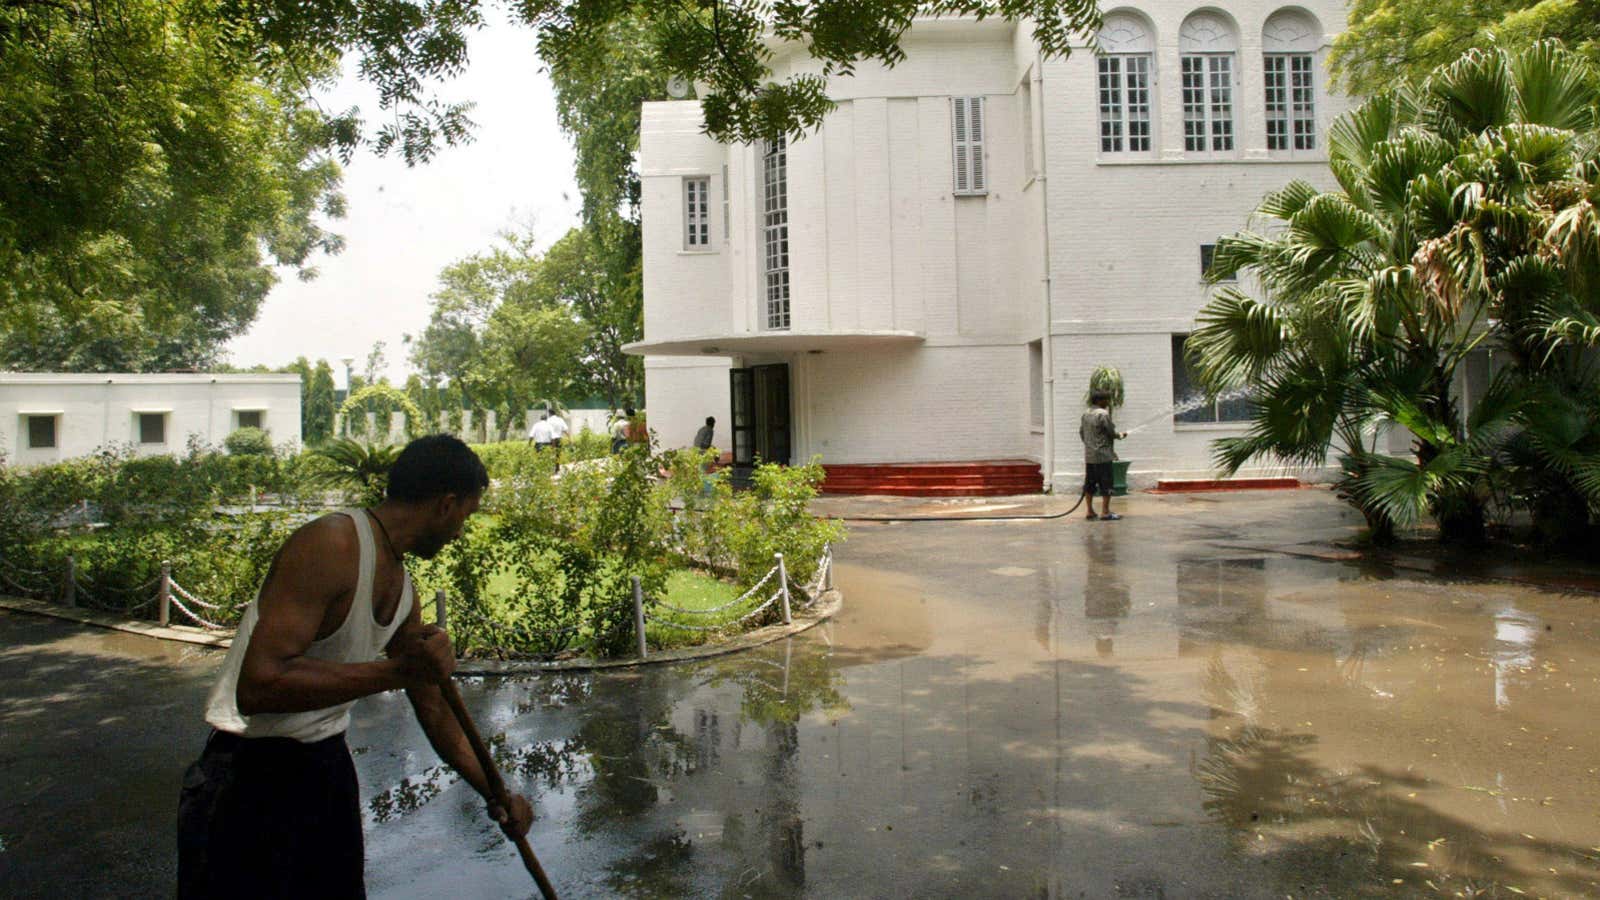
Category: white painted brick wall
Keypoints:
(878, 241)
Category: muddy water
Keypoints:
(1135, 709)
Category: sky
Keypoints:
(404, 224)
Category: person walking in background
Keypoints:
(558, 429)
(703, 437)
(619, 430)
(1099, 435)
(637, 432)
(540, 433)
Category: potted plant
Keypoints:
(1109, 379)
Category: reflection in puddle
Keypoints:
(1202, 724)
(1514, 635)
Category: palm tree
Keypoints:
(1464, 219)
(360, 469)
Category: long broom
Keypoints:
(497, 786)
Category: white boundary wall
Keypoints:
(103, 409)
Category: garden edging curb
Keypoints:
(826, 607)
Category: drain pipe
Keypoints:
(1046, 342)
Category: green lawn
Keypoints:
(686, 589)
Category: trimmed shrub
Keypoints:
(249, 442)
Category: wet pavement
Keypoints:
(1186, 703)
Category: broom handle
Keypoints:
(497, 787)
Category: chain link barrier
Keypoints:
(178, 605)
(668, 623)
(179, 591)
(662, 604)
(177, 594)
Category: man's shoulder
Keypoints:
(334, 531)
(317, 544)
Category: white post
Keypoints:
(439, 610)
(164, 593)
(638, 615)
(827, 574)
(69, 584)
(783, 587)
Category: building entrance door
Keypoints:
(760, 417)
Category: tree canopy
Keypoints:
(406, 48)
(1410, 38)
(155, 174)
(501, 330)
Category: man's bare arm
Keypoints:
(444, 732)
(312, 570)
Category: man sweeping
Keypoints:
(272, 807)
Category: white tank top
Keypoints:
(359, 638)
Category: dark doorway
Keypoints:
(760, 397)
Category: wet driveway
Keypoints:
(1180, 704)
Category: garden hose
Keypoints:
(1011, 518)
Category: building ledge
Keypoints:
(772, 342)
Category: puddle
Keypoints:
(1124, 714)
(1127, 711)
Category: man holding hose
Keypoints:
(272, 808)
(1099, 434)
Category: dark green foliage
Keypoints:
(318, 404)
(1407, 39)
(249, 442)
(361, 470)
(154, 176)
(1464, 221)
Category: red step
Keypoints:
(983, 478)
(1197, 485)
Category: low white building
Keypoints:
(45, 417)
(933, 274)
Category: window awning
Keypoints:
(41, 412)
(151, 409)
(771, 342)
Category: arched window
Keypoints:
(1208, 44)
(1288, 42)
(1126, 49)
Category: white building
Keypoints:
(50, 417)
(932, 275)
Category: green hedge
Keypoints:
(547, 567)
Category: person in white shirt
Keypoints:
(558, 429)
(540, 433)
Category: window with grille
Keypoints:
(1025, 107)
(1290, 101)
(775, 230)
(1207, 102)
(967, 135)
(1125, 103)
(41, 432)
(152, 428)
(1207, 258)
(727, 191)
(696, 213)
(1190, 405)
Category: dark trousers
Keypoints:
(1097, 479)
(270, 817)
